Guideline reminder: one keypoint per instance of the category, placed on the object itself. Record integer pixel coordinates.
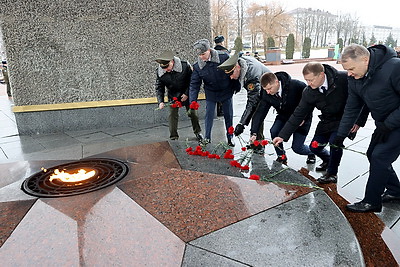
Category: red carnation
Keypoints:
(174, 105)
(217, 157)
(229, 151)
(231, 130)
(244, 148)
(264, 142)
(189, 149)
(314, 144)
(194, 105)
(254, 177)
(178, 104)
(283, 157)
(174, 98)
(256, 143)
(245, 167)
(233, 163)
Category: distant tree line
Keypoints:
(270, 25)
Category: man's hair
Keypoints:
(354, 51)
(267, 78)
(314, 68)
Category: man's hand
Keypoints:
(338, 141)
(239, 129)
(161, 105)
(381, 133)
(184, 98)
(277, 140)
(253, 138)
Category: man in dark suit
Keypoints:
(327, 91)
(374, 81)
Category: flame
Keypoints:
(66, 177)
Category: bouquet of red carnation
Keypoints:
(175, 103)
(194, 105)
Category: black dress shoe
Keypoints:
(364, 207)
(310, 159)
(322, 167)
(282, 159)
(199, 137)
(388, 198)
(230, 143)
(327, 179)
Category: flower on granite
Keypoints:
(244, 148)
(254, 177)
(228, 154)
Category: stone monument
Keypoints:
(75, 65)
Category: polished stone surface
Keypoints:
(158, 200)
(300, 231)
(16, 162)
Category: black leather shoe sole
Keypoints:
(322, 167)
(310, 159)
(363, 207)
(389, 198)
(327, 180)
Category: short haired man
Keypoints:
(247, 70)
(174, 74)
(374, 81)
(327, 91)
(284, 94)
(218, 87)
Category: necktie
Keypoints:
(323, 90)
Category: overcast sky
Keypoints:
(386, 13)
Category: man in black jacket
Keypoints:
(284, 94)
(247, 71)
(174, 74)
(374, 81)
(327, 91)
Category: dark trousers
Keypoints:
(174, 118)
(333, 156)
(299, 136)
(227, 108)
(381, 173)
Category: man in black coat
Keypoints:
(248, 71)
(174, 74)
(374, 81)
(284, 94)
(219, 46)
(327, 91)
(218, 87)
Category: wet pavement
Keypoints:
(175, 209)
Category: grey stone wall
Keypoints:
(62, 51)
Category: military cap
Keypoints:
(219, 39)
(229, 65)
(201, 46)
(165, 58)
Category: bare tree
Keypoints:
(221, 17)
(268, 21)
